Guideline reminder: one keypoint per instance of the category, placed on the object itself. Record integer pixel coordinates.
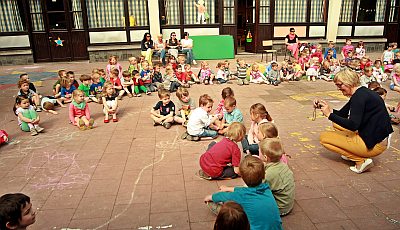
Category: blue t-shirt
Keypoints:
(326, 52)
(65, 91)
(258, 203)
(96, 87)
(234, 116)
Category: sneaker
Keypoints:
(364, 166)
(203, 175)
(194, 62)
(33, 132)
(184, 135)
(148, 93)
(167, 125)
(192, 138)
(39, 129)
(91, 122)
(214, 207)
(139, 95)
(38, 109)
(81, 124)
(345, 158)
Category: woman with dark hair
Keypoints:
(173, 45)
(291, 41)
(361, 127)
(187, 47)
(147, 47)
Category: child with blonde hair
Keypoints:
(395, 84)
(242, 72)
(278, 175)
(256, 76)
(222, 159)
(96, 87)
(269, 130)
(163, 112)
(79, 113)
(133, 64)
(258, 115)
(313, 71)
(34, 99)
(206, 76)
(57, 86)
(367, 77)
(110, 102)
(221, 76)
(184, 106)
(67, 88)
(113, 64)
(190, 74)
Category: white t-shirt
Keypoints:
(187, 44)
(198, 120)
(46, 99)
(159, 45)
(21, 110)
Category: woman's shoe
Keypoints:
(364, 166)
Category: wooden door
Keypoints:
(251, 26)
(61, 37)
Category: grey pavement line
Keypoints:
(166, 147)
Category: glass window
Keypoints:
(76, 14)
(346, 11)
(250, 11)
(105, 13)
(290, 11)
(317, 12)
(171, 12)
(200, 11)
(138, 13)
(394, 11)
(229, 12)
(264, 11)
(371, 10)
(10, 20)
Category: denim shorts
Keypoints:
(208, 133)
(391, 86)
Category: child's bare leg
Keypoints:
(84, 119)
(156, 119)
(169, 119)
(77, 121)
(179, 120)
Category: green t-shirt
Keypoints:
(281, 181)
(102, 80)
(85, 89)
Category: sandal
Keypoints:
(106, 120)
(115, 119)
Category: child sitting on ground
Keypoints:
(146, 76)
(138, 84)
(258, 115)
(379, 74)
(325, 72)
(395, 84)
(163, 112)
(110, 102)
(221, 76)
(67, 88)
(268, 130)
(115, 80)
(274, 75)
(200, 120)
(96, 88)
(57, 86)
(79, 113)
(190, 74)
(256, 199)
(393, 119)
(242, 73)
(206, 76)
(278, 175)
(127, 83)
(71, 75)
(227, 71)
(28, 119)
(48, 104)
(133, 64)
(31, 85)
(387, 56)
(231, 217)
(220, 110)
(222, 159)
(113, 64)
(182, 78)
(85, 85)
(16, 211)
(33, 97)
(313, 71)
(256, 76)
(232, 114)
(157, 76)
(367, 77)
(184, 106)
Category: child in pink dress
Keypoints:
(113, 64)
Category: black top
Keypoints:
(146, 44)
(111, 98)
(165, 109)
(396, 61)
(292, 41)
(172, 43)
(157, 77)
(32, 87)
(366, 113)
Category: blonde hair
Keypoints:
(106, 86)
(348, 78)
(236, 131)
(272, 148)
(169, 70)
(182, 92)
(253, 67)
(396, 68)
(268, 129)
(77, 92)
(205, 99)
(65, 82)
(259, 109)
(132, 58)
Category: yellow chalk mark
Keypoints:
(295, 134)
(309, 146)
(304, 139)
(310, 96)
(17, 72)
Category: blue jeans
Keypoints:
(161, 54)
(253, 148)
(208, 133)
(189, 55)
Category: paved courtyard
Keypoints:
(131, 175)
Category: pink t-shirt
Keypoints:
(346, 49)
(214, 160)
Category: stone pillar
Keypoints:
(154, 18)
(333, 19)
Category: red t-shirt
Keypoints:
(115, 81)
(181, 76)
(214, 160)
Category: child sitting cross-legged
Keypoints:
(184, 106)
(200, 121)
(367, 77)
(16, 211)
(221, 75)
(274, 74)
(256, 199)
(232, 114)
(96, 88)
(163, 112)
(268, 130)
(23, 85)
(127, 83)
(231, 217)
(110, 102)
(67, 87)
(86, 81)
(278, 174)
(116, 81)
(79, 114)
(222, 159)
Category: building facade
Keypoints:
(68, 30)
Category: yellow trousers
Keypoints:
(349, 144)
(147, 55)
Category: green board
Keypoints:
(213, 47)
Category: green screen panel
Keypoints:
(213, 47)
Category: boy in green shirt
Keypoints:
(85, 85)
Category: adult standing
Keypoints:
(159, 48)
(173, 45)
(147, 47)
(187, 48)
(291, 41)
(361, 127)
